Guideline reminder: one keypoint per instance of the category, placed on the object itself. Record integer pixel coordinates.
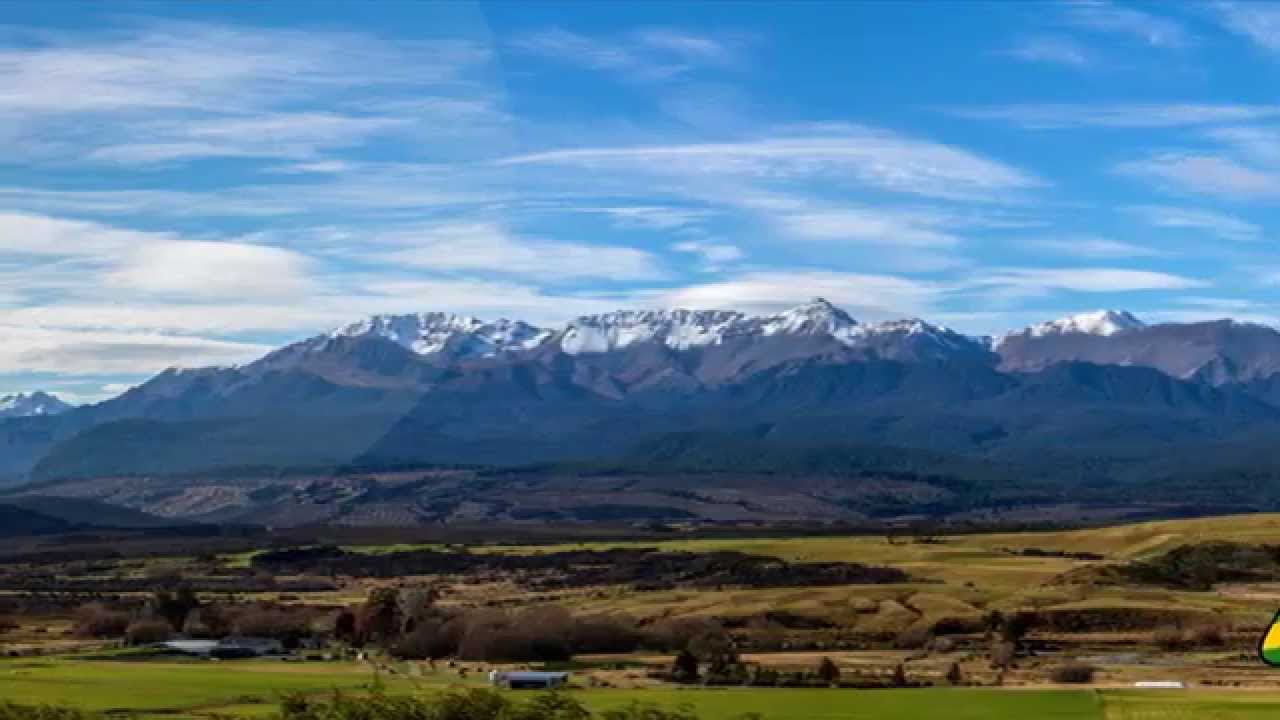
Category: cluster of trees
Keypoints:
(166, 614)
(1172, 638)
(1199, 566)
(409, 624)
(710, 661)
(642, 567)
(1073, 673)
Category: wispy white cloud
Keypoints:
(357, 189)
(210, 67)
(487, 247)
(213, 270)
(298, 136)
(1205, 174)
(872, 157)
(714, 255)
(1109, 17)
(24, 348)
(648, 54)
(654, 217)
(1091, 247)
(1259, 145)
(1258, 22)
(1215, 223)
(864, 225)
(1053, 50)
(866, 295)
(168, 91)
(1138, 115)
(1084, 280)
(78, 257)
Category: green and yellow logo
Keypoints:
(1269, 647)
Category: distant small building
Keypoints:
(230, 648)
(528, 680)
(198, 648)
(247, 647)
(1160, 685)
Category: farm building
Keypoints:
(227, 648)
(199, 648)
(526, 680)
(247, 647)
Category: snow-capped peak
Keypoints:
(432, 333)
(685, 329)
(818, 316)
(27, 405)
(678, 329)
(1103, 323)
(1100, 322)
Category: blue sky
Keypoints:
(195, 183)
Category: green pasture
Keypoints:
(163, 688)
(788, 704)
(195, 690)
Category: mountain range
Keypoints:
(1077, 403)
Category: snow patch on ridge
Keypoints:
(432, 333)
(1103, 323)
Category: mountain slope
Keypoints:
(1219, 352)
(18, 522)
(28, 405)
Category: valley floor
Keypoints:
(1084, 615)
(196, 691)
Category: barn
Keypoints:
(529, 680)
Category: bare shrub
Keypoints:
(1003, 654)
(604, 634)
(206, 622)
(431, 639)
(1075, 673)
(915, 637)
(1170, 639)
(672, 634)
(829, 672)
(1208, 635)
(287, 625)
(98, 621)
(537, 635)
(147, 632)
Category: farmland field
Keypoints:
(932, 617)
(168, 687)
(173, 690)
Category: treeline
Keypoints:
(646, 568)
(165, 615)
(409, 625)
